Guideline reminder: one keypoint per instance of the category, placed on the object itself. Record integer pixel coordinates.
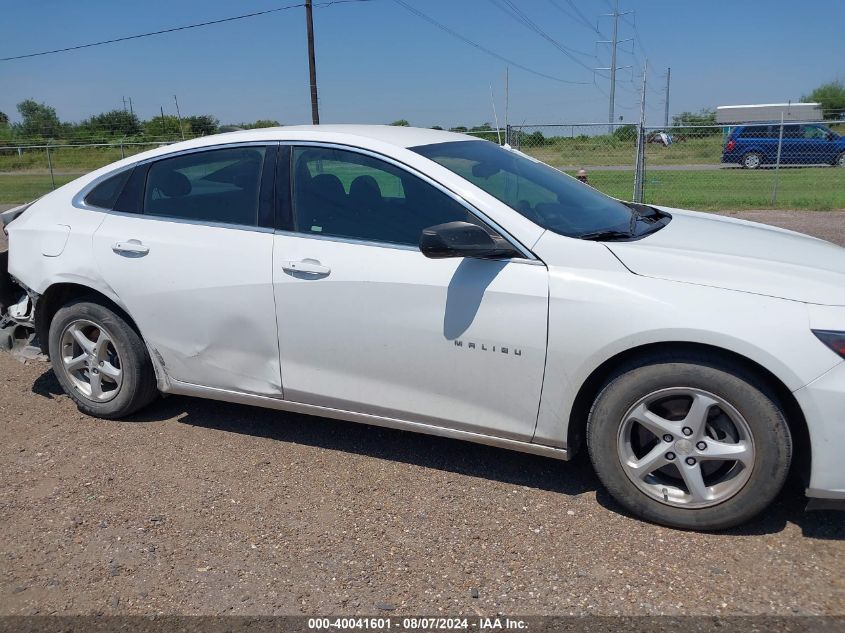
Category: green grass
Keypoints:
(813, 188)
(604, 150)
(20, 188)
(66, 158)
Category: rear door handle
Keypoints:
(307, 266)
(130, 247)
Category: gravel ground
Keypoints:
(198, 507)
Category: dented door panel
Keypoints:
(202, 296)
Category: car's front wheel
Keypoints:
(840, 160)
(100, 360)
(689, 443)
(752, 160)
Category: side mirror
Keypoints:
(463, 239)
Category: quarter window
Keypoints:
(105, 194)
(345, 194)
(214, 186)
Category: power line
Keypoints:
(517, 14)
(583, 17)
(575, 18)
(636, 35)
(175, 29)
(484, 49)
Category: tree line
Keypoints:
(40, 121)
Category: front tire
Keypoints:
(100, 360)
(840, 160)
(689, 443)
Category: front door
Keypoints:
(368, 324)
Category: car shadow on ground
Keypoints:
(475, 460)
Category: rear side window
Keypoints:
(757, 131)
(215, 186)
(105, 194)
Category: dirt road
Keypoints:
(202, 508)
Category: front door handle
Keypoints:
(130, 247)
(307, 266)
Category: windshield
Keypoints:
(542, 194)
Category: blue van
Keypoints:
(753, 146)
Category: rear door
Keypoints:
(188, 249)
(368, 324)
(760, 139)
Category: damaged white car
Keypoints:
(435, 282)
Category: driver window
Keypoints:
(814, 132)
(341, 193)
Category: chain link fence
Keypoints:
(742, 166)
(28, 171)
(751, 166)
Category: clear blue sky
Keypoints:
(376, 62)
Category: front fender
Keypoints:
(594, 318)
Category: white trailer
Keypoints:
(768, 112)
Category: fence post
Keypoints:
(639, 173)
(507, 134)
(50, 165)
(122, 153)
(777, 164)
(639, 165)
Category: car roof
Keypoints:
(400, 136)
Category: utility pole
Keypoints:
(179, 116)
(131, 110)
(124, 104)
(614, 44)
(507, 96)
(666, 108)
(312, 65)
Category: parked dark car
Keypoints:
(753, 146)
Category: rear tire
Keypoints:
(840, 160)
(100, 360)
(752, 160)
(707, 475)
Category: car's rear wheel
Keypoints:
(689, 443)
(840, 160)
(752, 160)
(100, 360)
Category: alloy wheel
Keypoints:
(686, 447)
(91, 360)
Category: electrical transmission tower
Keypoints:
(614, 44)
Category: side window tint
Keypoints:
(815, 132)
(215, 186)
(346, 194)
(105, 194)
(789, 131)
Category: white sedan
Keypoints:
(439, 283)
